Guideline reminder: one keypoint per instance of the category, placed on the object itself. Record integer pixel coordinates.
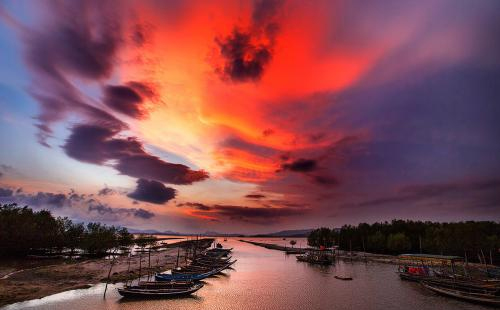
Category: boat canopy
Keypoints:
(430, 257)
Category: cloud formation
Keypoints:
(246, 53)
(97, 145)
(113, 214)
(152, 191)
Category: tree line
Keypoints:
(24, 231)
(480, 241)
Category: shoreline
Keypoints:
(358, 256)
(48, 278)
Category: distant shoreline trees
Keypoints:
(480, 241)
(24, 231)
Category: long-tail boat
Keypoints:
(160, 291)
(466, 294)
(192, 276)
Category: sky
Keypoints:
(251, 116)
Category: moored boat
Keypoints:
(159, 292)
(465, 294)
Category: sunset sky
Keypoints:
(251, 116)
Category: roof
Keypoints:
(429, 257)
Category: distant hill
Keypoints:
(298, 233)
(287, 233)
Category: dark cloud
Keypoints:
(128, 99)
(246, 53)
(106, 191)
(484, 191)
(244, 61)
(74, 39)
(123, 99)
(151, 167)
(96, 144)
(255, 196)
(256, 215)
(114, 214)
(80, 37)
(40, 199)
(300, 165)
(238, 143)
(197, 205)
(152, 191)
(142, 213)
(5, 192)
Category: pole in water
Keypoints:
(178, 253)
(109, 276)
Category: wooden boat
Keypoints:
(344, 278)
(294, 251)
(164, 284)
(315, 259)
(463, 294)
(192, 276)
(146, 292)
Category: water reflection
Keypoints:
(268, 279)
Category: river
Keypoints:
(268, 279)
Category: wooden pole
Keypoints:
(350, 248)
(364, 250)
(109, 275)
(128, 269)
(420, 243)
(149, 261)
(178, 253)
(140, 265)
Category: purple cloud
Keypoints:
(95, 144)
(152, 191)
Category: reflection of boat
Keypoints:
(159, 291)
(467, 294)
(345, 278)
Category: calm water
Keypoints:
(267, 279)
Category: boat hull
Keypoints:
(158, 293)
(490, 300)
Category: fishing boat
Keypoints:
(319, 257)
(465, 294)
(420, 267)
(159, 292)
(191, 275)
(294, 251)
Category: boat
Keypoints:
(464, 294)
(345, 278)
(192, 275)
(421, 267)
(158, 292)
(294, 251)
(318, 257)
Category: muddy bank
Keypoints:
(31, 279)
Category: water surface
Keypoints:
(268, 279)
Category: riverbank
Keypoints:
(36, 279)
